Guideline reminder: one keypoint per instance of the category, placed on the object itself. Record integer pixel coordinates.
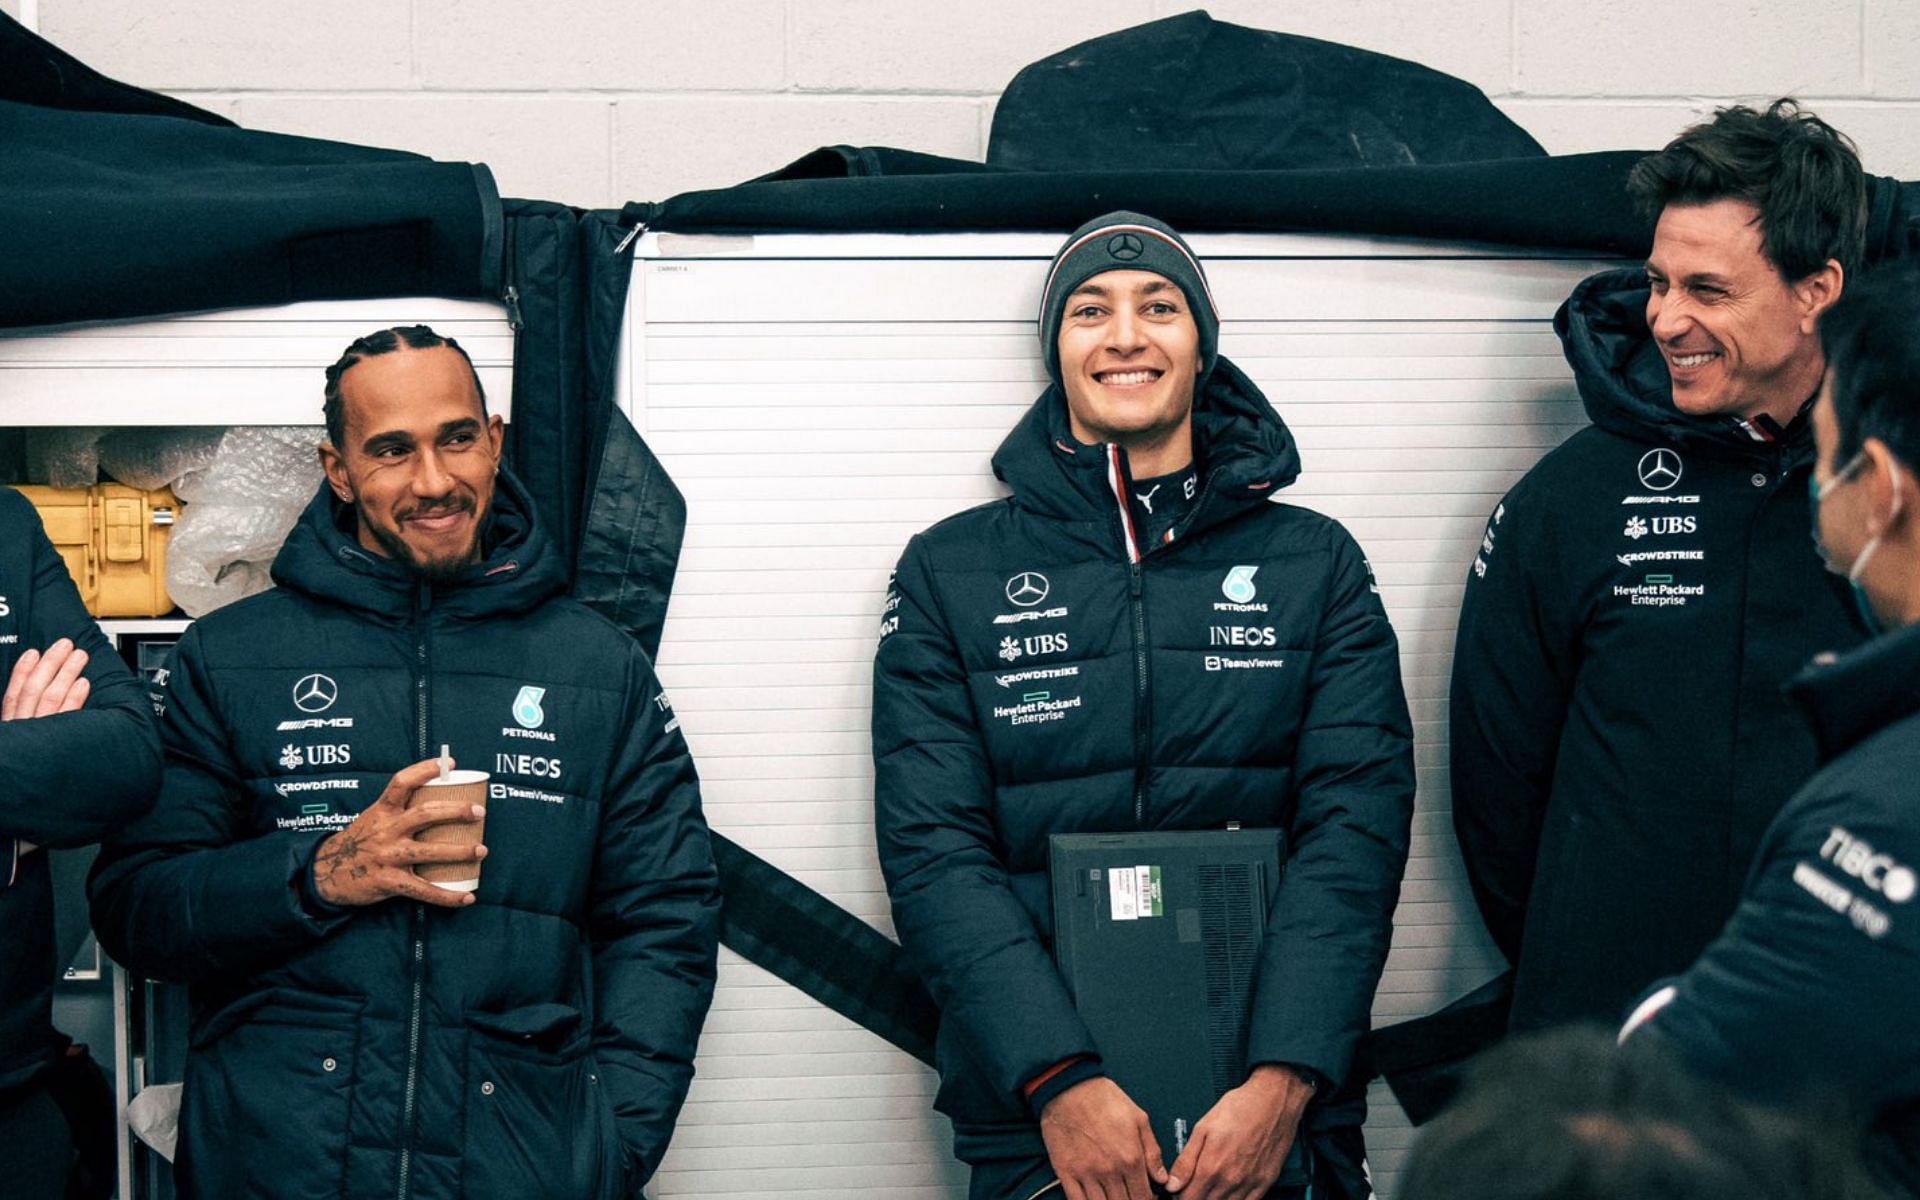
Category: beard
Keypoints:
(428, 570)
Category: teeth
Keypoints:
(1127, 378)
(1694, 360)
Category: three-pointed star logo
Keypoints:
(1126, 246)
(315, 693)
(1027, 589)
(1659, 469)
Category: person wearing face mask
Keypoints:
(1811, 987)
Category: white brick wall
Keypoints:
(595, 102)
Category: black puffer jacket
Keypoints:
(1032, 680)
(1812, 984)
(538, 1043)
(1619, 737)
(70, 779)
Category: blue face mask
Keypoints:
(1818, 492)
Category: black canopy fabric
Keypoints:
(1575, 203)
(120, 203)
(1191, 92)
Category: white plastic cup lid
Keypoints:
(459, 777)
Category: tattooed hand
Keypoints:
(372, 859)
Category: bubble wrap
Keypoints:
(236, 511)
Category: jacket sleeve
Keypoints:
(71, 778)
(1811, 982)
(1512, 678)
(1353, 808)
(187, 892)
(653, 926)
(962, 927)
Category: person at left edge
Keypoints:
(357, 1031)
(79, 756)
(1139, 638)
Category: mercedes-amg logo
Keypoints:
(1126, 246)
(1659, 469)
(1027, 589)
(315, 693)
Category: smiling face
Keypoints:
(1129, 356)
(420, 457)
(1737, 338)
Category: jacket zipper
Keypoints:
(1136, 584)
(423, 607)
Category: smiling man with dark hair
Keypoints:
(1139, 639)
(357, 1029)
(1619, 740)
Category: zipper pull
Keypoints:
(512, 298)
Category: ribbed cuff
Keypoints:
(1076, 1072)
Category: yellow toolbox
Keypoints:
(114, 541)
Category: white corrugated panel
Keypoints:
(820, 399)
(237, 366)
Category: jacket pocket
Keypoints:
(535, 1125)
(273, 1071)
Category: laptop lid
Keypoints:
(1157, 936)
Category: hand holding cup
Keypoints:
(374, 858)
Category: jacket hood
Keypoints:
(520, 568)
(1850, 698)
(1242, 448)
(1624, 381)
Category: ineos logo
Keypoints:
(1027, 589)
(1659, 469)
(1126, 246)
(315, 693)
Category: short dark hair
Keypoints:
(1871, 337)
(385, 341)
(1565, 1115)
(1800, 172)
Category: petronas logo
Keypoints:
(526, 707)
(1238, 585)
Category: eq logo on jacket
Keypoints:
(1880, 872)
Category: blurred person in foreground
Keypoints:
(1564, 1115)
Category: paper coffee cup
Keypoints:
(467, 787)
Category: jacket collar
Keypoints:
(1851, 697)
(1242, 448)
(323, 558)
(1624, 382)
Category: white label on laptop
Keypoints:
(1133, 893)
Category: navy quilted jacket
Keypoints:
(1042, 672)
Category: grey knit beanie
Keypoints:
(1126, 241)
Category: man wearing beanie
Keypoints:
(1208, 657)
